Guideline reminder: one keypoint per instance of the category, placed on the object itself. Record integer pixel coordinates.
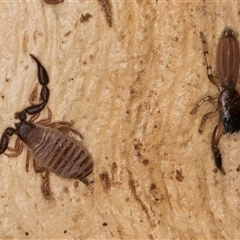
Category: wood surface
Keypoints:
(129, 90)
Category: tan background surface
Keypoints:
(129, 90)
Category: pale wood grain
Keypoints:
(129, 90)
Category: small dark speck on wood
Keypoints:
(53, 1)
(179, 175)
(46, 191)
(106, 182)
(108, 12)
(85, 18)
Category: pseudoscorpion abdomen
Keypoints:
(62, 154)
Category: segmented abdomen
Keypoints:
(62, 154)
